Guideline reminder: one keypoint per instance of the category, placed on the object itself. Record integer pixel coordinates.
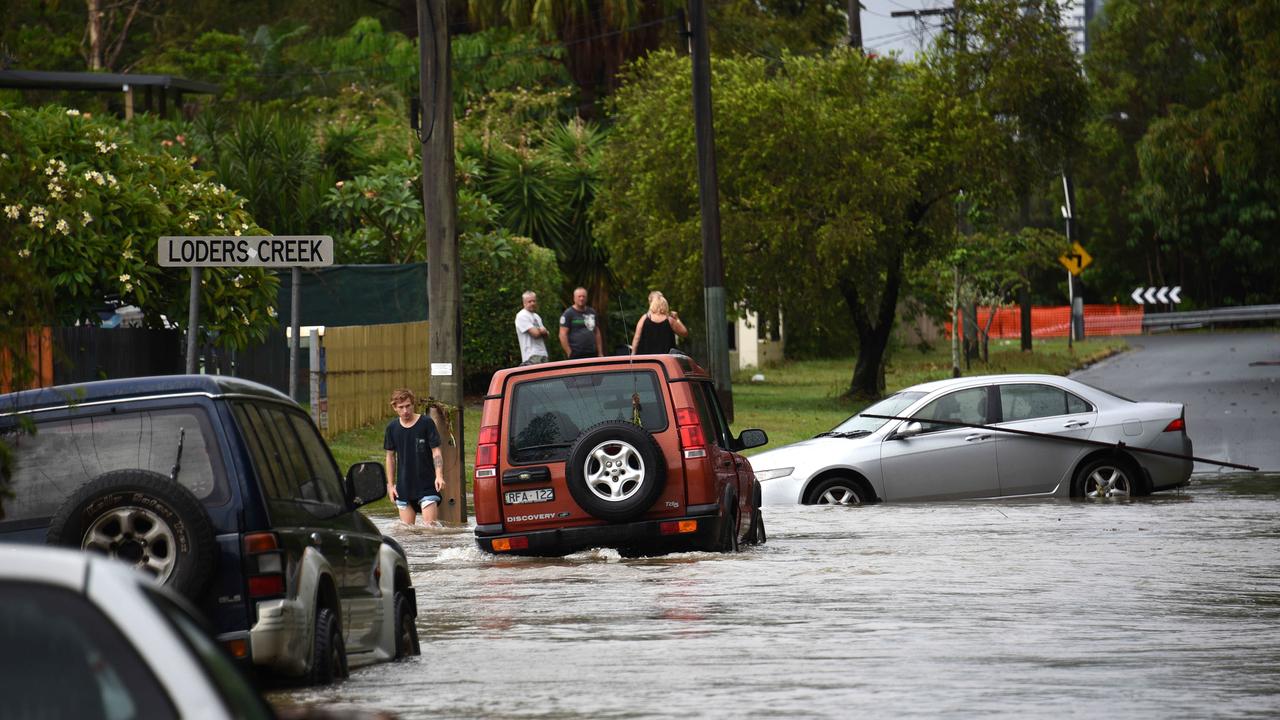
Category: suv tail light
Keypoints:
(1179, 424)
(487, 452)
(692, 439)
(265, 563)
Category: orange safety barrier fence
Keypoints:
(1054, 321)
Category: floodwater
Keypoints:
(1159, 607)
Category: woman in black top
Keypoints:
(657, 329)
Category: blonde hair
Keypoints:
(658, 303)
(402, 394)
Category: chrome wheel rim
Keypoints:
(1107, 482)
(839, 495)
(137, 536)
(614, 471)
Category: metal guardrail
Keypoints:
(1200, 318)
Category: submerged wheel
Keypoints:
(146, 520)
(406, 628)
(838, 491)
(1106, 478)
(328, 654)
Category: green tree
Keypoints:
(855, 181)
(82, 207)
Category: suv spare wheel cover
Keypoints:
(615, 470)
(146, 520)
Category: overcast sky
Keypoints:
(884, 34)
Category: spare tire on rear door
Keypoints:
(146, 520)
(615, 471)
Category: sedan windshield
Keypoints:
(892, 405)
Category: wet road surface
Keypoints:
(1230, 383)
(1167, 606)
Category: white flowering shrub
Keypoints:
(82, 208)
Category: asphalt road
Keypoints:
(1230, 383)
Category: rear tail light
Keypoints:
(487, 452)
(692, 440)
(265, 563)
(1176, 425)
(520, 542)
(238, 647)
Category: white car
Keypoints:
(865, 460)
(85, 636)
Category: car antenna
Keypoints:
(177, 461)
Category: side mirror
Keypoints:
(751, 437)
(909, 430)
(366, 482)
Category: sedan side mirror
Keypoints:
(911, 429)
(366, 482)
(751, 437)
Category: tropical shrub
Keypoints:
(496, 269)
(82, 207)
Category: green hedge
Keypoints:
(496, 270)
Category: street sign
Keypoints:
(1075, 260)
(1153, 295)
(245, 251)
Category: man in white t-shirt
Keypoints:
(531, 332)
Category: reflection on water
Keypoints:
(1152, 607)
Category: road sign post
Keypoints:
(214, 251)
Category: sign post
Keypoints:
(1075, 261)
(202, 251)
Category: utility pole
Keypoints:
(709, 200)
(854, 14)
(444, 274)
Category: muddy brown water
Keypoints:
(1159, 607)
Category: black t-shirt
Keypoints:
(656, 338)
(415, 468)
(582, 331)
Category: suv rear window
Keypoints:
(547, 414)
(63, 455)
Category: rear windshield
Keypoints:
(546, 415)
(62, 455)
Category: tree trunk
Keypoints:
(1024, 301)
(955, 324)
(94, 29)
(873, 338)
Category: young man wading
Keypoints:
(415, 467)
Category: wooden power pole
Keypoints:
(709, 200)
(444, 274)
(855, 24)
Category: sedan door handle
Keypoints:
(1076, 423)
(977, 437)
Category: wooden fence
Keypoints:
(364, 363)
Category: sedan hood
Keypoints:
(806, 451)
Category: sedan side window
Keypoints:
(962, 406)
(1029, 400)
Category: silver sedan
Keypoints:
(864, 459)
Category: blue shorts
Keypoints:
(425, 501)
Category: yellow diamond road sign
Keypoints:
(1075, 259)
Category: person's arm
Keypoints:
(678, 327)
(599, 342)
(564, 340)
(391, 475)
(635, 339)
(437, 457)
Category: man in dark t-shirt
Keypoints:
(415, 467)
(579, 332)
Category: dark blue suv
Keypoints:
(224, 491)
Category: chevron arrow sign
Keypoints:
(1154, 295)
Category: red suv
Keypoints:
(630, 452)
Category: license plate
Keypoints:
(517, 497)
